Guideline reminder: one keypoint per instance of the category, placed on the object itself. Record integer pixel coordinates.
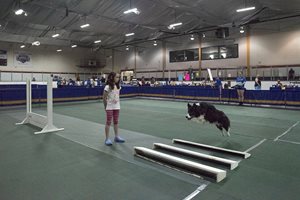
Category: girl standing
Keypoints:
(111, 100)
(240, 82)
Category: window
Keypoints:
(220, 52)
(184, 55)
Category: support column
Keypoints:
(164, 57)
(248, 53)
(200, 55)
(135, 62)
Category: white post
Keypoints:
(44, 122)
(50, 102)
(28, 95)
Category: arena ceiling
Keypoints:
(109, 24)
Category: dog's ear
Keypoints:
(189, 105)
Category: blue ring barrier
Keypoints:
(10, 95)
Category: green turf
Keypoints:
(51, 167)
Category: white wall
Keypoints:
(46, 59)
(281, 48)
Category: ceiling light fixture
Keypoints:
(19, 11)
(245, 9)
(97, 41)
(172, 26)
(132, 10)
(203, 35)
(36, 43)
(155, 43)
(74, 46)
(129, 34)
(242, 30)
(22, 46)
(192, 37)
(55, 35)
(59, 50)
(127, 48)
(84, 25)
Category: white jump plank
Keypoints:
(227, 162)
(199, 169)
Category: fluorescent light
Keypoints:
(84, 25)
(127, 48)
(172, 26)
(36, 43)
(245, 9)
(129, 34)
(19, 11)
(155, 43)
(55, 35)
(22, 46)
(59, 50)
(192, 37)
(74, 46)
(97, 41)
(133, 10)
(203, 35)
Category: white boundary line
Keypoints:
(256, 145)
(287, 131)
(197, 191)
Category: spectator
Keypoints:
(33, 79)
(152, 82)
(143, 80)
(279, 84)
(103, 80)
(240, 86)
(257, 84)
(218, 85)
(291, 74)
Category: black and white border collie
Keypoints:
(202, 112)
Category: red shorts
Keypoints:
(112, 115)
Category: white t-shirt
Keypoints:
(113, 98)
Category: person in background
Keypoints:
(33, 79)
(240, 86)
(102, 80)
(279, 84)
(257, 84)
(143, 81)
(218, 84)
(291, 74)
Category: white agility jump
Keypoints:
(44, 122)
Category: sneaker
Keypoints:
(118, 139)
(108, 142)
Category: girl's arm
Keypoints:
(105, 94)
